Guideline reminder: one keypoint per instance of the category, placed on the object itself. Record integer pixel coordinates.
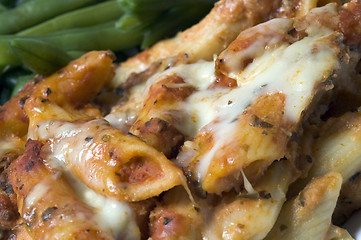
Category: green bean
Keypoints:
(158, 5)
(131, 20)
(88, 16)
(20, 82)
(40, 57)
(75, 54)
(7, 56)
(2, 8)
(170, 23)
(36, 11)
(128, 20)
(19, 2)
(99, 37)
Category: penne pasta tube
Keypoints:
(337, 233)
(105, 159)
(240, 127)
(338, 147)
(349, 200)
(202, 41)
(176, 217)
(46, 203)
(73, 86)
(308, 216)
(252, 215)
(253, 122)
(157, 123)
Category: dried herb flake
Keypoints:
(48, 91)
(106, 138)
(167, 220)
(48, 213)
(257, 122)
(264, 194)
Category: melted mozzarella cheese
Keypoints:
(36, 193)
(7, 146)
(268, 35)
(294, 70)
(123, 118)
(199, 75)
(68, 142)
(112, 215)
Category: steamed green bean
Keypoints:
(84, 17)
(36, 11)
(38, 56)
(20, 82)
(2, 8)
(159, 5)
(99, 37)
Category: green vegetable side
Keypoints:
(41, 36)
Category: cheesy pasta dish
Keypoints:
(244, 126)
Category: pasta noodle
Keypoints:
(236, 128)
(308, 216)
